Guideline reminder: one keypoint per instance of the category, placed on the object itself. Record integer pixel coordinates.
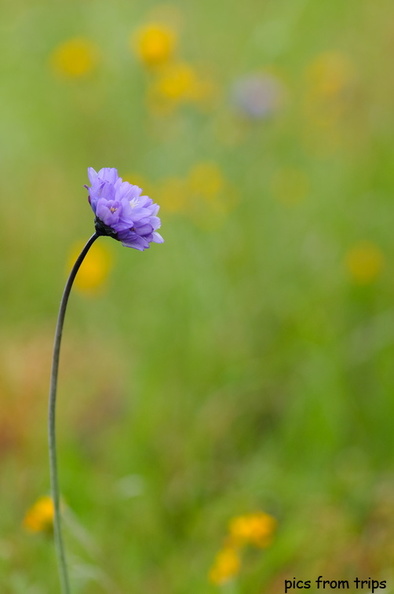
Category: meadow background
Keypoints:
(246, 364)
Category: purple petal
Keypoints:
(157, 238)
(108, 174)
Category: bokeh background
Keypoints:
(245, 365)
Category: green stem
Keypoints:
(61, 558)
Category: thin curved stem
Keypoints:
(61, 558)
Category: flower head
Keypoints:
(39, 517)
(226, 566)
(154, 44)
(364, 262)
(179, 83)
(75, 58)
(255, 529)
(121, 212)
(330, 74)
(258, 96)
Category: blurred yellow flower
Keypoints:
(39, 517)
(251, 529)
(290, 185)
(255, 529)
(206, 179)
(226, 566)
(154, 44)
(95, 268)
(178, 83)
(172, 193)
(75, 58)
(209, 195)
(330, 73)
(204, 195)
(364, 262)
(330, 77)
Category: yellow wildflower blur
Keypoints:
(329, 97)
(178, 83)
(329, 78)
(364, 262)
(206, 179)
(254, 529)
(209, 192)
(95, 268)
(330, 73)
(204, 194)
(226, 566)
(154, 44)
(172, 193)
(75, 58)
(39, 517)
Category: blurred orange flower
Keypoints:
(39, 518)
(255, 529)
(227, 565)
(154, 44)
(251, 529)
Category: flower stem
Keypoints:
(61, 558)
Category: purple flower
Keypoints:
(121, 211)
(258, 95)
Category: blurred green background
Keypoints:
(247, 363)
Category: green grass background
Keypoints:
(238, 366)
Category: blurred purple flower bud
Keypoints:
(258, 95)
